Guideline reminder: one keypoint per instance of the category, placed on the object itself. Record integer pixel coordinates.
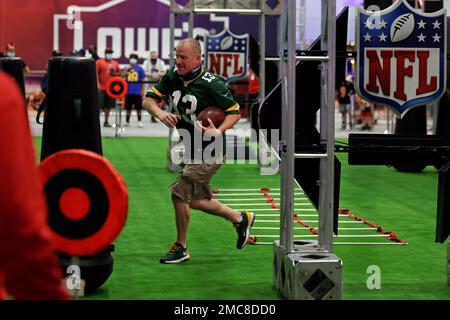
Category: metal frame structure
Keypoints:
(301, 24)
(208, 7)
(292, 263)
(196, 7)
(285, 252)
(326, 124)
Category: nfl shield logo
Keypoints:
(402, 56)
(226, 55)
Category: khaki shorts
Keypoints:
(105, 101)
(193, 182)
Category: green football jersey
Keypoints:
(189, 99)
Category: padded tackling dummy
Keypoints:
(14, 67)
(71, 118)
(72, 121)
(87, 203)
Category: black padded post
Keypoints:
(14, 67)
(71, 118)
(72, 121)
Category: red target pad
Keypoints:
(87, 201)
(116, 87)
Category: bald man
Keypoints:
(193, 89)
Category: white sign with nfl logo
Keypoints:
(226, 55)
(402, 56)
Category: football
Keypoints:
(216, 115)
(402, 27)
(226, 43)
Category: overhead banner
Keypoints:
(126, 26)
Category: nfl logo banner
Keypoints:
(226, 55)
(402, 56)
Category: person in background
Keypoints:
(82, 53)
(367, 115)
(154, 68)
(74, 53)
(93, 52)
(11, 52)
(345, 91)
(35, 99)
(134, 75)
(44, 82)
(106, 68)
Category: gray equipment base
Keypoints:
(303, 275)
(307, 246)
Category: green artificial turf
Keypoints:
(217, 270)
(399, 202)
(404, 203)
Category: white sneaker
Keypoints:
(126, 124)
(140, 125)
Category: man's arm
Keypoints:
(167, 118)
(97, 70)
(228, 123)
(26, 70)
(115, 70)
(125, 71)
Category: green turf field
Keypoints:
(399, 202)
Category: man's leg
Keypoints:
(127, 119)
(178, 252)
(139, 114)
(106, 114)
(350, 116)
(138, 107)
(242, 222)
(110, 104)
(217, 208)
(344, 119)
(102, 103)
(182, 216)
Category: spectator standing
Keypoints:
(106, 68)
(134, 76)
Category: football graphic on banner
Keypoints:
(402, 27)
